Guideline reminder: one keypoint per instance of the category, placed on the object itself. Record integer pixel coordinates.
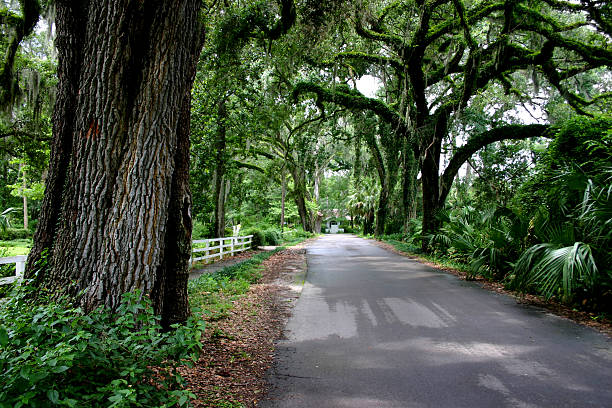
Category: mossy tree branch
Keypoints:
(477, 142)
(21, 27)
(352, 99)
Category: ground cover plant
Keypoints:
(54, 354)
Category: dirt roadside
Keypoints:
(238, 350)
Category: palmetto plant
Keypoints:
(488, 240)
(5, 221)
(552, 269)
(562, 264)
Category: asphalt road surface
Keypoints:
(375, 329)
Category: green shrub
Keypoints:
(272, 237)
(6, 269)
(200, 230)
(15, 233)
(53, 354)
(232, 280)
(258, 236)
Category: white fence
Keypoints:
(220, 247)
(19, 261)
(213, 248)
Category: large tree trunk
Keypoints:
(116, 214)
(430, 178)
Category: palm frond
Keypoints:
(551, 269)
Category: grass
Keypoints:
(213, 293)
(15, 247)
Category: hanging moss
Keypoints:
(19, 27)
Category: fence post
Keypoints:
(221, 248)
(207, 252)
(232, 246)
(19, 269)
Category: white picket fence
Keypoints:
(19, 261)
(220, 247)
(213, 248)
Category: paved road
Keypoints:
(374, 329)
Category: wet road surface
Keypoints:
(375, 329)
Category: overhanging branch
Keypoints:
(475, 143)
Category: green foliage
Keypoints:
(295, 236)
(273, 237)
(264, 235)
(488, 240)
(258, 236)
(53, 354)
(14, 234)
(232, 280)
(5, 219)
(551, 270)
(200, 230)
(6, 269)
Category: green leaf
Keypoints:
(53, 396)
(4, 339)
(24, 373)
(60, 369)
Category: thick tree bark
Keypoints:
(69, 41)
(116, 215)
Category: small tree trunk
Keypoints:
(220, 145)
(409, 184)
(299, 193)
(381, 211)
(317, 215)
(368, 223)
(283, 193)
(25, 199)
(430, 179)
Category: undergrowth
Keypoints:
(213, 292)
(54, 354)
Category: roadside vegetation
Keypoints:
(478, 133)
(552, 237)
(51, 352)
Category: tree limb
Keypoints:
(475, 143)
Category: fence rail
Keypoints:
(213, 248)
(19, 261)
(218, 247)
